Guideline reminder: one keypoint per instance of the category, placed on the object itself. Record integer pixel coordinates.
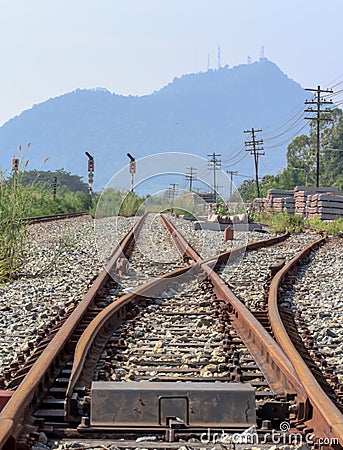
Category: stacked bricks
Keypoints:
(303, 197)
(325, 206)
(280, 200)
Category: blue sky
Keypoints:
(134, 47)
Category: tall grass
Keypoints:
(14, 207)
(282, 221)
(18, 201)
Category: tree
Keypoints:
(332, 161)
(301, 154)
(73, 183)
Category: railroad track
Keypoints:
(187, 326)
(51, 218)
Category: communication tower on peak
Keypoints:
(218, 60)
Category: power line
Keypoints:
(318, 101)
(255, 148)
(290, 128)
(245, 176)
(288, 139)
(238, 151)
(294, 113)
(214, 163)
(237, 162)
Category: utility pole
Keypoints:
(214, 163)
(190, 176)
(231, 173)
(255, 148)
(172, 191)
(318, 101)
(167, 195)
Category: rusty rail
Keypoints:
(326, 420)
(55, 217)
(273, 362)
(185, 249)
(182, 246)
(281, 364)
(104, 323)
(110, 315)
(34, 384)
(92, 337)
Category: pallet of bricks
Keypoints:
(325, 206)
(303, 197)
(280, 200)
(259, 205)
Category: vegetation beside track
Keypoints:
(113, 202)
(25, 194)
(282, 221)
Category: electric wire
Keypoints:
(293, 115)
(288, 130)
(237, 162)
(238, 151)
(287, 140)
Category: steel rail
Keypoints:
(183, 247)
(109, 314)
(326, 420)
(104, 321)
(273, 362)
(52, 217)
(43, 369)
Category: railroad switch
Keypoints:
(172, 405)
(273, 411)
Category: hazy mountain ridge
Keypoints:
(195, 113)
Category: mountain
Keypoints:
(196, 113)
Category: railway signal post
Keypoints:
(90, 172)
(15, 168)
(54, 187)
(132, 169)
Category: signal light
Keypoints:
(91, 165)
(133, 167)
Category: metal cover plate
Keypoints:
(153, 404)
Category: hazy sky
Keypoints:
(50, 47)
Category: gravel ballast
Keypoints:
(317, 295)
(61, 265)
